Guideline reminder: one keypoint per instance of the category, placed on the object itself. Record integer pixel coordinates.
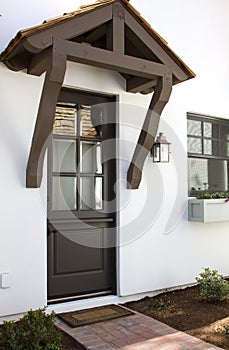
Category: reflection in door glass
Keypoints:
(90, 121)
(91, 193)
(65, 119)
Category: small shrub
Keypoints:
(161, 304)
(213, 287)
(35, 331)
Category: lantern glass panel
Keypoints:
(156, 152)
(164, 152)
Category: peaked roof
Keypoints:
(108, 34)
(15, 46)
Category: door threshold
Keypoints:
(78, 297)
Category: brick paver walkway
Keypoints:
(135, 332)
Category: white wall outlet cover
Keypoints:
(5, 280)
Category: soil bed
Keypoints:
(185, 311)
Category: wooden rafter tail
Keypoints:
(39, 62)
(149, 130)
(44, 123)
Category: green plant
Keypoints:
(204, 196)
(35, 331)
(213, 287)
(161, 304)
(216, 195)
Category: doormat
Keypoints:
(97, 314)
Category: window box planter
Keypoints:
(208, 210)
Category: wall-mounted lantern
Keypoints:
(161, 149)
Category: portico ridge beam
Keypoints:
(45, 117)
(149, 130)
(86, 54)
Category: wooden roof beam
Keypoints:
(69, 29)
(139, 46)
(96, 34)
(149, 130)
(85, 54)
(157, 49)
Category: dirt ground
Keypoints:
(184, 310)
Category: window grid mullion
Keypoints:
(202, 137)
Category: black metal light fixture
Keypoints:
(161, 149)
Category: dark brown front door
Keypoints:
(81, 197)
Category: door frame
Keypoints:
(113, 98)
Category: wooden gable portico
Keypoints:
(109, 34)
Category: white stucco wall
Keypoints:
(173, 251)
(159, 248)
(22, 218)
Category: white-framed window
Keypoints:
(208, 154)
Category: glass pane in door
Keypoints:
(63, 193)
(91, 193)
(64, 155)
(90, 157)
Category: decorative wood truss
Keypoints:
(108, 34)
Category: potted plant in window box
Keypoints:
(209, 207)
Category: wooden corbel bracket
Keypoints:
(44, 124)
(149, 130)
